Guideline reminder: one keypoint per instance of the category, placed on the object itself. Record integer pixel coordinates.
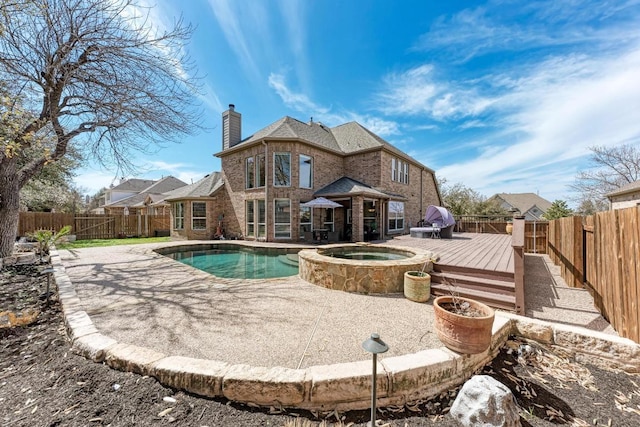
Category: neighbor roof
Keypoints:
(203, 188)
(155, 188)
(628, 188)
(525, 201)
(133, 184)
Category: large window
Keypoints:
(399, 171)
(260, 176)
(250, 217)
(198, 215)
(282, 169)
(282, 218)
(178, 216)
(306, 171)
(396, 216)
(250, 172)
(262, 219)
(305, 220)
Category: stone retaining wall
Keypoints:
(344, 386)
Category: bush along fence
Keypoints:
(93, 226)
(600, 253)
(535, 232)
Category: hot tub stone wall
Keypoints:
(360, 276)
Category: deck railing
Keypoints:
(535, 232)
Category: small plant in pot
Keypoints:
(417, 284)
(463, 324)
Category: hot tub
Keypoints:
(362, 268)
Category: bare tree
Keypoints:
(612, 168)
(89, 74)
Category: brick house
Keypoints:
(627, 196)
(268, 175)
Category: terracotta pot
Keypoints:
(417, 286)
(463, 333)
(509, 228)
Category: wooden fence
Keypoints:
(91, 226)
(601, 252)
(535, 232)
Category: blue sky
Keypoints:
(502, 96)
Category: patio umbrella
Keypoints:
(321, 202)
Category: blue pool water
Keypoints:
(239, 264)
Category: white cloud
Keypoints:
(303, 104)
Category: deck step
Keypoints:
(474, 272)
(473, 282)
(495, 300)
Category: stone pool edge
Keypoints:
(343, 386)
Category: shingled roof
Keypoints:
(202, 188)
(628, 188)
(350, 187)
(153, 187)
(346, 139)
(525, 201)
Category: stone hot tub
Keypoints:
(361, 268)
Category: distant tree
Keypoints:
(89, 74)
(558, 209)
(462, 200)
(612, 167)
(589, 207)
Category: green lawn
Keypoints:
(79, 244)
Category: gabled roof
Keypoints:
(346, 186)
(203, 188)
(133, 184)
(163, 185)
(348, 138)
(288, 127)
(628, 188)
(525, 201)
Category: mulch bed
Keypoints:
(42, 383)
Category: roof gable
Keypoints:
(525, 201)
(202, 188)
(133, 184)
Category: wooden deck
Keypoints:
(474, 251)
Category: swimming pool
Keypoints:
(234, 262)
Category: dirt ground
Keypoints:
(42, 383)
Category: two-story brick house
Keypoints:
(268, 175)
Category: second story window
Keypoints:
(306, 171)
(260, 175)
(399, 171)
(282, 169)
(249, 173)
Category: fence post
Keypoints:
(517, 243)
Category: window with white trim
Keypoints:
(262, 219)
(396, 216)
(399, 171)
(178, 216)
(305, 220)
(249, 172)
(250, 218)
(305, 171)
(281, 169)
(198, 215)
(282, 218)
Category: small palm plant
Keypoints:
(47, 238)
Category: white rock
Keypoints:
(169, 399)
(484, 401)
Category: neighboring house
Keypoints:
(627, 196)
(266, 177)
(132, 196)
(530, 205)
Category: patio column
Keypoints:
(357, 219)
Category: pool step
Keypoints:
(289, 259)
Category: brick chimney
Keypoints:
(231, 127)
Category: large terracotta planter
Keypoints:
(417, 286)
(509, 228)
(463, 333)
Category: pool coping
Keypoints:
(342, 386)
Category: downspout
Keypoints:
(266, 193)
